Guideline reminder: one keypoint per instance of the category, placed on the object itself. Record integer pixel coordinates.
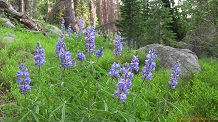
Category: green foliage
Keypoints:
(84, 92)
(146, 22)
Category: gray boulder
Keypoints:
(169, 55)
(9, 38)
(8, 23)
(54, 29)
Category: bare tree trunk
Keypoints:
(48, 10)
(21, 6)
(55, 8)
(26, 7)
(100, 13)
(106, 15)
(92, 10)
(70, 14)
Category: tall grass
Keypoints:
(85, 91)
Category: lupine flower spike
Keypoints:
(39, 56)
(60, 46)
(115, 70)
(149, 65)
(63, 26)
(81, 24)
(70, 30)
(134, 64)
(81, 56)
(100, 52)
(65, 59)
(175, 75)
(124, 83)
(118, 45)
(23, 79)
(90, 39)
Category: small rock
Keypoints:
(8, 23)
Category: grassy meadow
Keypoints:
(84, 92)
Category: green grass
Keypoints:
(85, 91)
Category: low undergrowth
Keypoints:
(84, 92)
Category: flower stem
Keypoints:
(138, 92)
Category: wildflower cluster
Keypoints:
(118, 45)
(175, 75)
(115, 70)
(90, 39)
(81, 56)
(81, 24)
(134, 64)
(149, 65)
(39, 56)
(60, 46)
(64, 55)
(124, 83)
(70, 31)
(66, 60)
(100, 52)
(23, 79)
(63, 26)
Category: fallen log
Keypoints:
(27, 21)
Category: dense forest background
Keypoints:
(190, 24)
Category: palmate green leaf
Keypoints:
(24, 116)
(34, 115)
(51, 114)
(63, 112)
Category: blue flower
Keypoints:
(81, 24)
(23, 79)
(118, 45)
(124, 83)
(134, 63)
(149, 65)
(39, 56)
(100, 52)
(65, 58)
(70, 30)
(63, 26)
(60, 46)
(81, 56)
(175, 75)
(90, 39)
(115, 70)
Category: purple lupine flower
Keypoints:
(90, 39)
(134, 64)
(149, 65)
(63, 26)
(70, 30)
(23, 79)
(81, 56)
(81, 25)
(115, 70)
(175, 75)
(124, 83)
(65, 59)
(100, 52)
(39, 56)
(118, 45)
(60, 46)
